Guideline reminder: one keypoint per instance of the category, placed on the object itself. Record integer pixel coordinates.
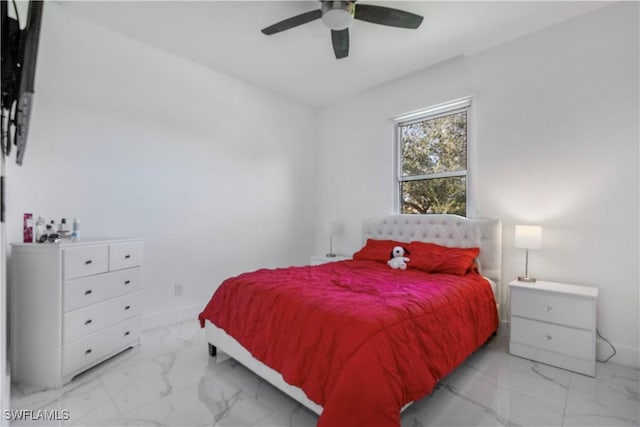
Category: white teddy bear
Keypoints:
(398, 258)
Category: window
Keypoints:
(432, 154)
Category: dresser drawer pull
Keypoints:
(87, 351)
(88, 292)
(548, 337)
(127, 256)
(126, 282)
(127, 307)
(548, 308)
(88, 322)
(87, 262)
(127, 333)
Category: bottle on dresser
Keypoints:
(75, 234)
(40, 230)
(52, 234)
(63, 229)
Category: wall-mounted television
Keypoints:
(19, 55)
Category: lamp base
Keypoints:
(330, 255)
(526, 279)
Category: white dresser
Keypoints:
(554, 323)
(73, 305)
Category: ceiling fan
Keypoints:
(338, 15)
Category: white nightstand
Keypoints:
(323, 259)
(554, 323)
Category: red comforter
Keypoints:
(359, 338)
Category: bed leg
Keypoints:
(212, 350)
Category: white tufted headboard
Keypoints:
(445, 230)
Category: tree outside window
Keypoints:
(433, 162)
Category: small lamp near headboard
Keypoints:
(528, 237)
(336, 229)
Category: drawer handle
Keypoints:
(88, 322)
(548, 308)
(127, 307)
(548, 337)
(87, 262)
(88, 292)
(126, 333)
(127, 256)
(126, 282)
(87, 351)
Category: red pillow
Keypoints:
(434, 258)
(378, 250)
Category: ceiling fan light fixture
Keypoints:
(337, 15)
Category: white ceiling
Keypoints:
(299, 63)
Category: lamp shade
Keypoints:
(528, 236)
(336, 228)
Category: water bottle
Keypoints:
(75, 234)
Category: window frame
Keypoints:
(430, 113)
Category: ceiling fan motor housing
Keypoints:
(338, 15)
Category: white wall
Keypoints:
(555, 143)
(214, 174)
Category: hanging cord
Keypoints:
(610, 345)
(15, 9)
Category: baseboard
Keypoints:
(625, 355)
(503, 328)
(168, 317)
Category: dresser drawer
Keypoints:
(559, 339)
(553, 307)
(85, 261)
(125, 255)
(85, 352)
(93, 289)
(84, 321)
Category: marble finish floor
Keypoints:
(171, 381)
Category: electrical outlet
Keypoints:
(177, 289)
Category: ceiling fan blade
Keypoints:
(294, 21)
(387, 16)
(340, 41)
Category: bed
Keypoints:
(356, 341)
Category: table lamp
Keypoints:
(335, 229)
(528, 237)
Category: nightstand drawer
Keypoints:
(559, 339)
(553, 307)
(85, 261)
